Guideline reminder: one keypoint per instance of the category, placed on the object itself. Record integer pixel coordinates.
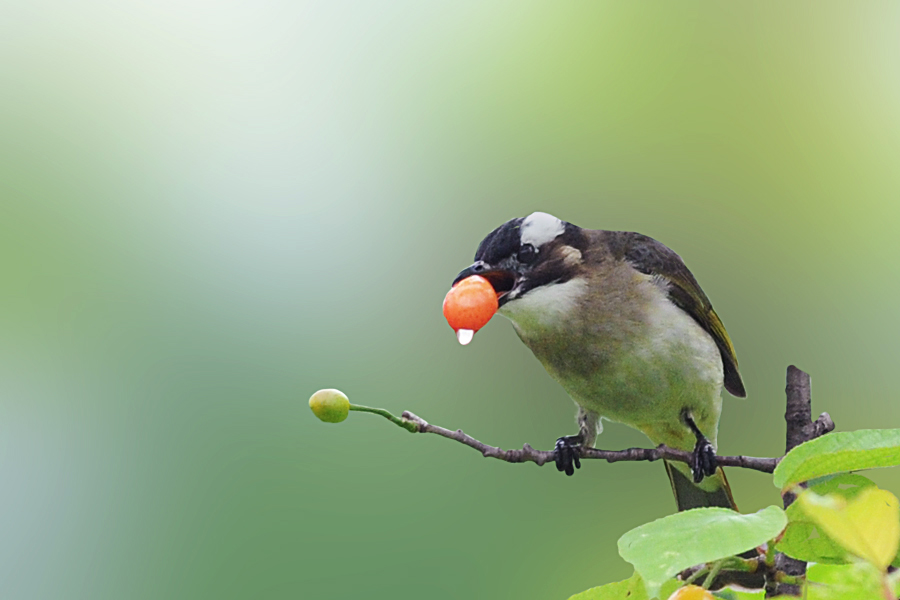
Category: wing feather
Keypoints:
(653, 258)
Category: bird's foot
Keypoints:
(568, 454)
(703, 460)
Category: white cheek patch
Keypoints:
(539, 228)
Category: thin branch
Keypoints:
(405, 424)
(540, 457)
(798, 413)
(744, 572)
(713, 572)
(799, 428)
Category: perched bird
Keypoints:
(620, 322)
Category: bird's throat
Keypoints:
(546, 307)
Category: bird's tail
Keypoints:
(717, 493)
(715, 490)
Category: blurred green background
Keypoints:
(209, 210)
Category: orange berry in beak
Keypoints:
(469, 305)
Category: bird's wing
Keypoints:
(653, 258)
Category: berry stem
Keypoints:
(407, 425)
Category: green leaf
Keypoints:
(668, 588)
(630, 589)
(859, 581)
(803, 539)
(660, 549)
(838, 453)
(867, 525)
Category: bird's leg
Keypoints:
(568, 447)
(703, 458)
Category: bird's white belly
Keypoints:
(638, 360)
(671, 366)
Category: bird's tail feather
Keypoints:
(688, 495)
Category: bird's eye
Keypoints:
(527, 254)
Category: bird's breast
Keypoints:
(621, 348)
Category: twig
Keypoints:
(713, 572)
(405, 424)
(798, 413)
(540, 457)
(799, 428)
(744, 572)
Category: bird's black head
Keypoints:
(526, 253)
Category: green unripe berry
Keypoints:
(331, 406)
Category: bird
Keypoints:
(618, 320)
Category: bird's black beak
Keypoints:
(502, 280)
